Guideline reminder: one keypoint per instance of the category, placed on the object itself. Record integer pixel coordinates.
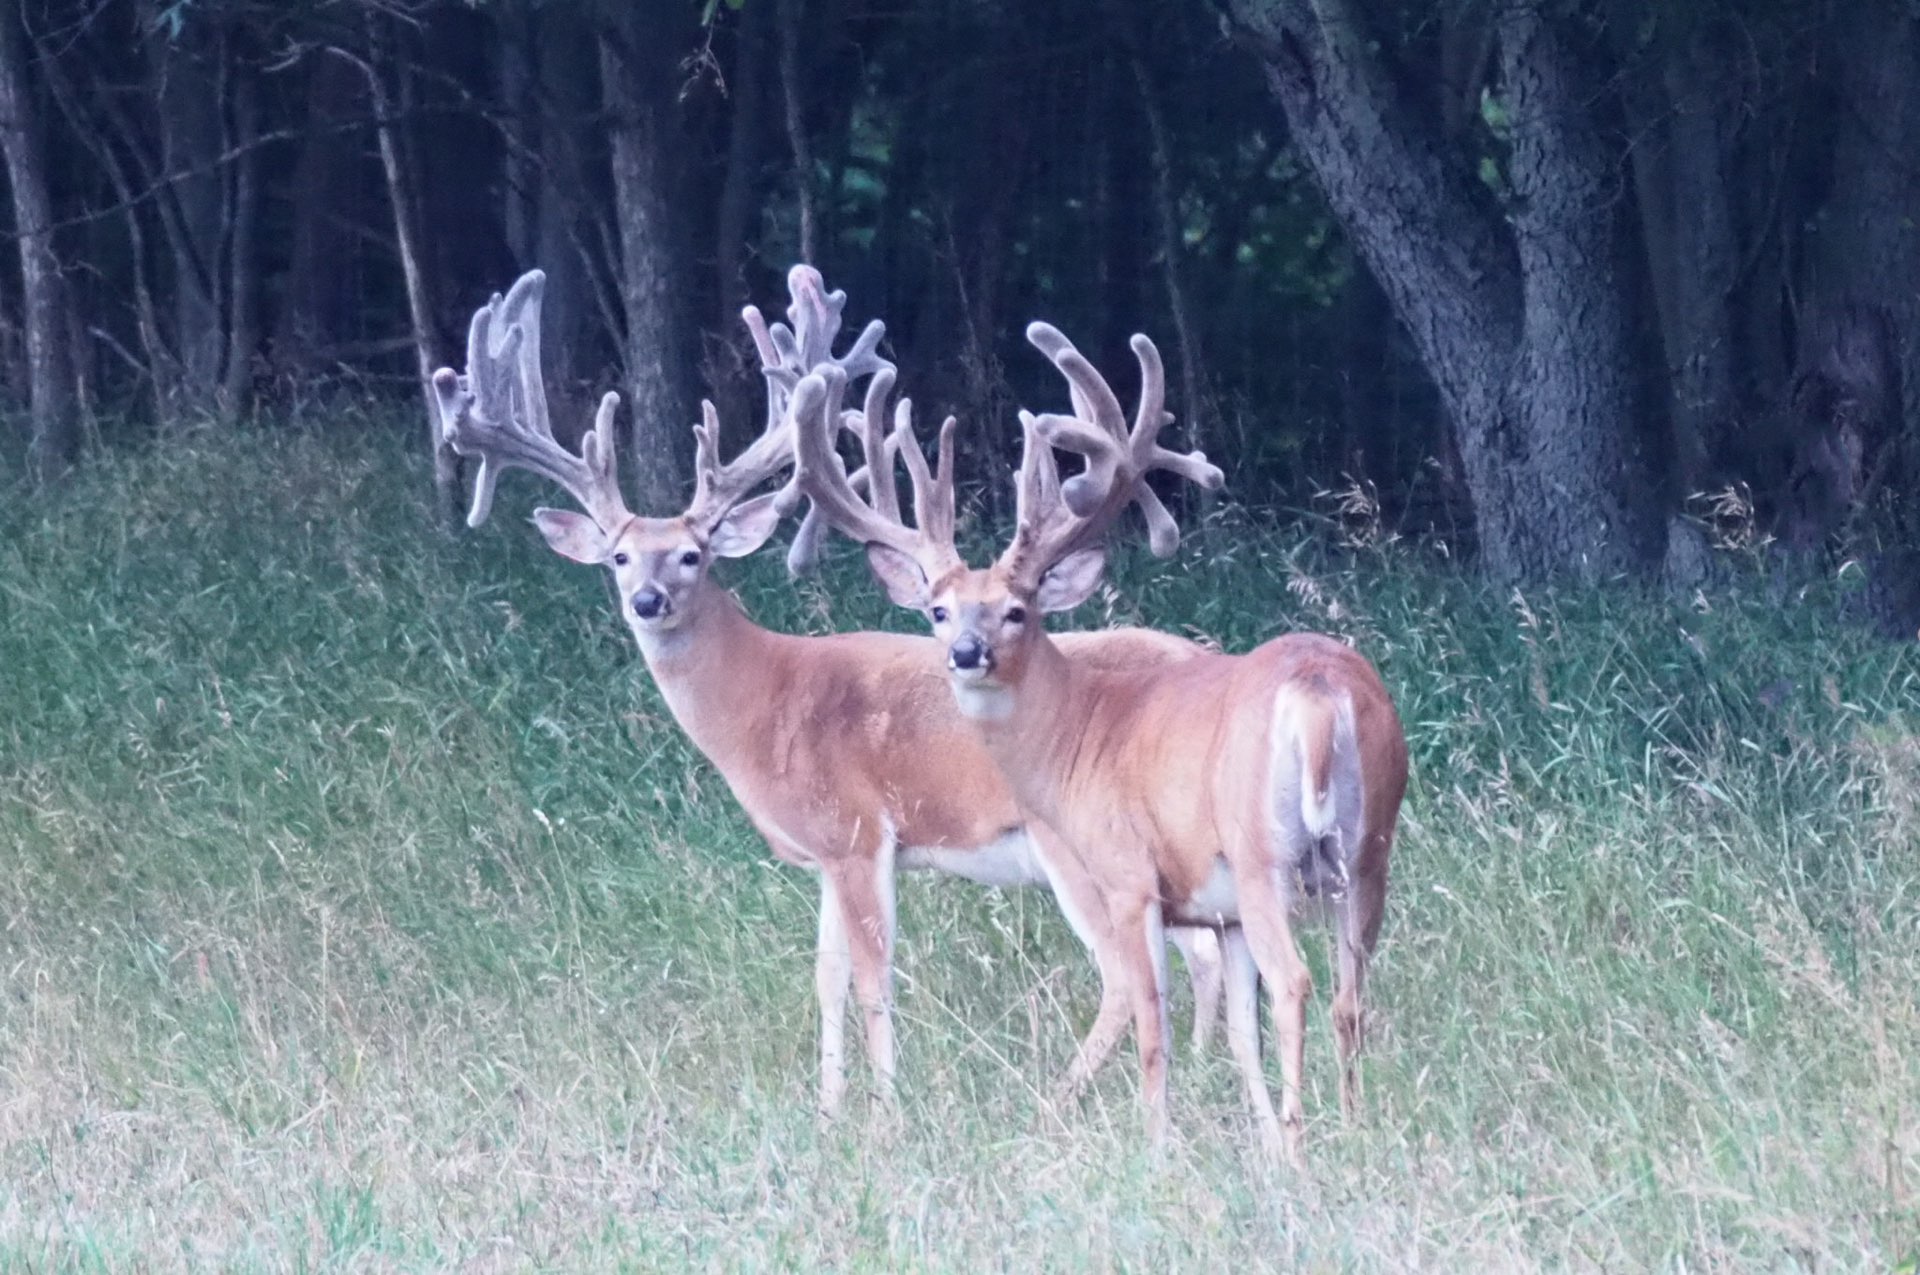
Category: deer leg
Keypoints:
(1140, 933)
(1109, 1025)
(1084, 905)
(1200, 951)
(832, 972)
(1354, 918)
(865, 890)
(1243, 1033)
(1263, 917)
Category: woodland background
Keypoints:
(365, 909)
(1576, 287)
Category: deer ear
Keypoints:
(1070, 581)
(900, 575)
(746, 527)
(572, 535)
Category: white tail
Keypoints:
(843, 750)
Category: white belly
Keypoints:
(1004, 861)
(1216, 902)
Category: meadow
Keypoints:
(361, 908)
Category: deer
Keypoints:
(845, 751)
(1230, 790)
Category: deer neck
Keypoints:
(711, 666)
(1033, 729)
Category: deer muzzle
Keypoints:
(970, 655)
(651, 604)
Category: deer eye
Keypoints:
(619, 559)
(939, 615)
(1016, 615)
(691, 558)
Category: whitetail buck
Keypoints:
(1216, 790)
(845, 751)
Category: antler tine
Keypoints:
(823, 479)
(876, 447)
(1153, 416)
(497, 411)
(787, 355)
(1163, 533)
(815, 315)
(804, 554)
(1036, 495)
(933, 502)
(1118, 460)
(818, 472)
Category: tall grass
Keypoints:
(363, 909)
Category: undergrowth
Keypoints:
(363, 908)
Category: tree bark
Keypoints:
(570, 341)
(793, 115)
(1166, 216)
(158, 367)
(733, 368)
(243, 267)
(1683, 172)
(634, 74)
(517, 45)
(1520, 319)
(1868, 251)
(549, 73)
(188, 69)
(401, 193)
(1572, 388)
(745, 128)
(52, 400)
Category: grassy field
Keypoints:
(363, 909)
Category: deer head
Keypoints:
(988, 618)
(497, 411)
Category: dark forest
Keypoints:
(1570, 288)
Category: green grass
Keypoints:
(363, 909)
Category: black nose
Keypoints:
(969, 651)
(650, 603)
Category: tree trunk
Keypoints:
(52, 405)
(793, 114)
(1121, 189)
(570, 342)
(549, 72)
(1683, 173)
(189, 73)
(732, 367)
(1572, 388)
(517, 45)
(1868, 251)
(1520, 319)
(243, 267)
(635, 58)
(992, 130)
(394, 162)
(331, 177)
(158, 368)
(1171, 251)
